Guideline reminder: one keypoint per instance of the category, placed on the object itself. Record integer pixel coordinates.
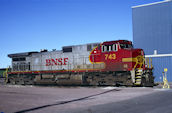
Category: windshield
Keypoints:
(125, 46)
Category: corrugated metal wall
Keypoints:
(159, 63)
(152, 27)
(152, 30)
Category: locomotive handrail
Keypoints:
(149, 62)
(5, 74)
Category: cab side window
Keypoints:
(103, 48)
(108, 48)
(115, 47)
(126, 46)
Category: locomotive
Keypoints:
(108, 63)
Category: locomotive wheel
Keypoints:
(109, 79)
(21, 80)
(11, 81)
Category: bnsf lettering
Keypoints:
(57, 61)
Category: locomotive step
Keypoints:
(137, 83)
(138, 80)
(138, 77)
(139, 74)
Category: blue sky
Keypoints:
(31, 25)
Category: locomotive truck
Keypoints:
(108, 63)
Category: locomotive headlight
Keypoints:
(142, 53)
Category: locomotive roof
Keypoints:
(117, 41)
(24, 54)
(21, 54)
(81, 44)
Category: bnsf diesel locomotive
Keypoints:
(107, 63)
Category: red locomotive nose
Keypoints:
(137, 52)
(138, 58)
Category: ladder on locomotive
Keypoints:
(139, 72)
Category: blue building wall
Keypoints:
(152, 27)
(152, 30)
(159, 63)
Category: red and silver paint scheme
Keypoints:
(115, 60)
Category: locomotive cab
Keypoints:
(118, 56)
(116, 45)
(126, 57)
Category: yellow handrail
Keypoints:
(147, 62)
(151, 62)
(5, 75)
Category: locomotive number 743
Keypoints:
(110, 56)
